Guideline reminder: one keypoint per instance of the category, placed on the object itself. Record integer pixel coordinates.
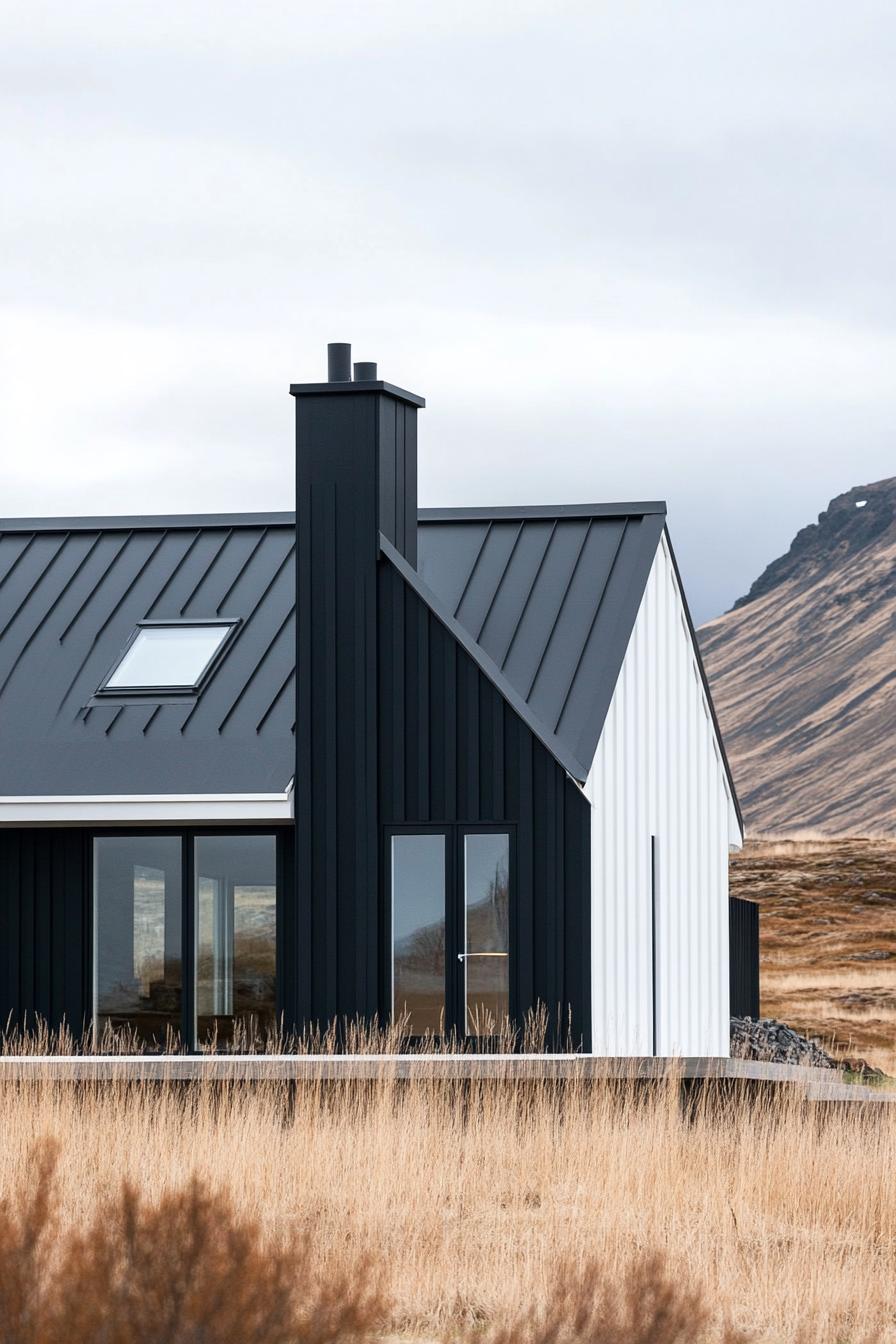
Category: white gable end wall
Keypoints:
(660, 804)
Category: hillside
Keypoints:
(827, 921)
(803, 674)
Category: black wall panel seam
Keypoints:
(45, 925)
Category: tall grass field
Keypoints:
(489, 1210)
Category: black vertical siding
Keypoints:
(397, 468)
(334, 938)
(453, 751)
(356, 476)
(44, 927)
(743, 926)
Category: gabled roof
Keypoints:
(551, 597)
(545, 600)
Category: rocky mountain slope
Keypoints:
(803, 674)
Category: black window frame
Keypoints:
(187, 835)
(192, 688)
(455, 904)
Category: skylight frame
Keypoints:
(228, 623)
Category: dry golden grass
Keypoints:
(508, 1210)
(184, 1269)
(189, 1269)
(826, 907)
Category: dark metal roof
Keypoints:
(550, 596)
(70, 596)
(547, 599)
(412, 576)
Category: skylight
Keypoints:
(169, 656)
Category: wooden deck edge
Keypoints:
(332, 1068)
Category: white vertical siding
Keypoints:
(658, 772)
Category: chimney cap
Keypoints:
(339, 378)
(388, 389)
(339, 362)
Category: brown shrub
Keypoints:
(26, 1229)
(647, 1306)
(184, 1270)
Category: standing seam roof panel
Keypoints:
(71, 601)
(550, 598)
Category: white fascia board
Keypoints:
(735, 830)
(144, 809)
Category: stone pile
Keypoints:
(767, 1039)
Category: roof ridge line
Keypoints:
(124, 522)
(509, 512)
(147, 522)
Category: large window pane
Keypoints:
(137, 935)
(487, 940)
(418, 931)
(236, 935)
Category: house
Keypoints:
(361, 759)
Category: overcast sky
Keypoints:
(626, 251)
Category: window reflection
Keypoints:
(418, 931)
(137, 935)
(236, 931)
(487, 940)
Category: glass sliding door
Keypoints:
(418, 931)
(235, 893)
(486, 954)
(451, 965)
(137, 963)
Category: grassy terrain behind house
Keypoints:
(828, 938)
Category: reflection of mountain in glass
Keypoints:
(488, 918)
(423, 950)
(251, 971)
(420, 963)
(487, 976)
(419, 971)
(149, 927)
(154, 988)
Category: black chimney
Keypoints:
(356, 477)
(361, 423)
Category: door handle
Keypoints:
(463, 956)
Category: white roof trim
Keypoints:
(148, 809)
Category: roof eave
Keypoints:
(705, 680)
